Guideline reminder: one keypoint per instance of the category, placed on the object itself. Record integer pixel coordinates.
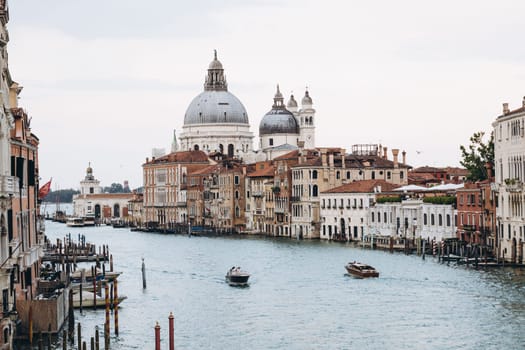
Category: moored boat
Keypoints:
(90, 300)
(75, 222)
(237, 277)
(361, 270)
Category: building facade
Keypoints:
(509, 166)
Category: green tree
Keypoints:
(60, 196)
(477, 155)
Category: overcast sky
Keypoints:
(105, 81)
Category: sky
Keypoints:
(106, 81)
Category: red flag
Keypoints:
(44, 190)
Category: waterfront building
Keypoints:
(413, 216)
(260, 198)
(509, 166)
(476, 212)
(344, 209)
(232, 203)
(165, 186)
(216, 120)
(136, 209)
(284, 128)
(332, 167)
(283, 192)
(9, 187)
(91, 202)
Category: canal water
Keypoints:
(299, 296)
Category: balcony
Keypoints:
(180, 204)
(257, 193)
(471, 228)
(279, 210)
(513, 185)
(8, 185)
(295, 199)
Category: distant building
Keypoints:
(93, 203)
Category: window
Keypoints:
(270, 141)
(385, 217)
(432, 220)
(440, 220)
(348, 175)
(425, 219)
(401, 175)
(338, 175)
(314, 191)
(448, 219)
(388, 175)
(373, 175)
(372, 216)
(314, 174)
(236, 179)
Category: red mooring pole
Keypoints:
(157, 336)
(172, 337)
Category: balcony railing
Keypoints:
(295, 199)
(469, 227)
(180, 204)
(257, 193)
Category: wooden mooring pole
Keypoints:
(115, 305)
(157, 336)
(171, 332)
(143, 274)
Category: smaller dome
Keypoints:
(291, 102)
(278, 121)
(215, 64)
(307, 100)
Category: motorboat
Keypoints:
(86, 275)
(237, 277)
(91, 300)
(361, 270)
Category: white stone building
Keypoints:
(216, 120)
(411, 218)
(509, 165)
(92, 203)
(344, 209)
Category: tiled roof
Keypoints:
(183, 157)
(364, 186)
(107, 196)
(516, 111)
(267, 171)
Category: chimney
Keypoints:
(385, 155)
(380, 154)
(505, 108)
(395, 153)
(404, 157)
(343, 153)
(323, 156)
(331, 160)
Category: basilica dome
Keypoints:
(278, 120)
(215, 105)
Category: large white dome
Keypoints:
(216, 107)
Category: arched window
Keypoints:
(230, 150)
(236, 194)
(314, 191)
(372, 216)
(440, 220)
(196, 147)
(373, 175)
(314, 174)
(348, 175)
(378, 217)
(432, 220)
(385, 217)
(338, 174)
(116, 210)
(237, 212)
(448, 219)
(425, 219)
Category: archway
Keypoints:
(116, 210)
(196, 147)
(97, 211)
(221, 148)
